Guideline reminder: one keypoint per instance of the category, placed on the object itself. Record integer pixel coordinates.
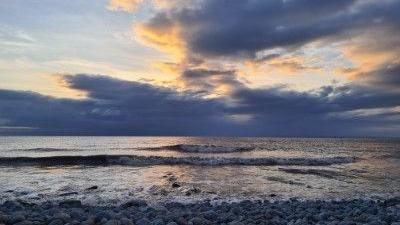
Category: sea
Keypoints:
(111, 170)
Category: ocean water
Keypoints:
(196, 168)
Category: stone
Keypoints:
(126, 221)
(71, 203)
(112, 222)
(62, 216)
(3, 218)
(175, 185)
(89, 221)
(199, 221)
(209, 215)
(12, 206)
(15, 218)
(24, 222)
(56, 222)
(157, 221)
(136, 203)
(235, 223)
(143, 221)
(93, 187)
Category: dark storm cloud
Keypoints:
(208, 80)
(326, 100)
(232, 28)
(331, 110)
(388, 76)
(113, 107)
(118, 107)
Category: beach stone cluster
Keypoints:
(138, 212)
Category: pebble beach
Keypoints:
(291, 212)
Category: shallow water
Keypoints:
(216, 168)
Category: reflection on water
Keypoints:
(376, 173)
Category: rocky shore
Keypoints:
(293, 212)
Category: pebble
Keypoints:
(157, 222)
(56, 222)
(172, 223)
(175, 185)
(143, 221)
(70, 203)
(112, 222)
(293, 212)
(24, 222)
(136, 203)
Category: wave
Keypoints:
(45, 149)
(202, 148)
(135, 160)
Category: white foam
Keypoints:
(219, 161)
(213, 148)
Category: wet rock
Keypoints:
(172, 178)
(192, 191)
(163, 192)
(68, 194)
(175, 185)
(92, 188)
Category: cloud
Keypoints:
(124, 5)
(120, 107)
(163, 34)
(285, 112)
(112, 106)
(239, 32)
(387, 76)
(225, 28)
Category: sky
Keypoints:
(303, 68)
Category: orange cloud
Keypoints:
(366, 55)
(164, 38)
(124, 5)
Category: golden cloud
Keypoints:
(124, 5)
(164, 38)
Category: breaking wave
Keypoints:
(135, 160)
(202, 148)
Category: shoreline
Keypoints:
(139, 212)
